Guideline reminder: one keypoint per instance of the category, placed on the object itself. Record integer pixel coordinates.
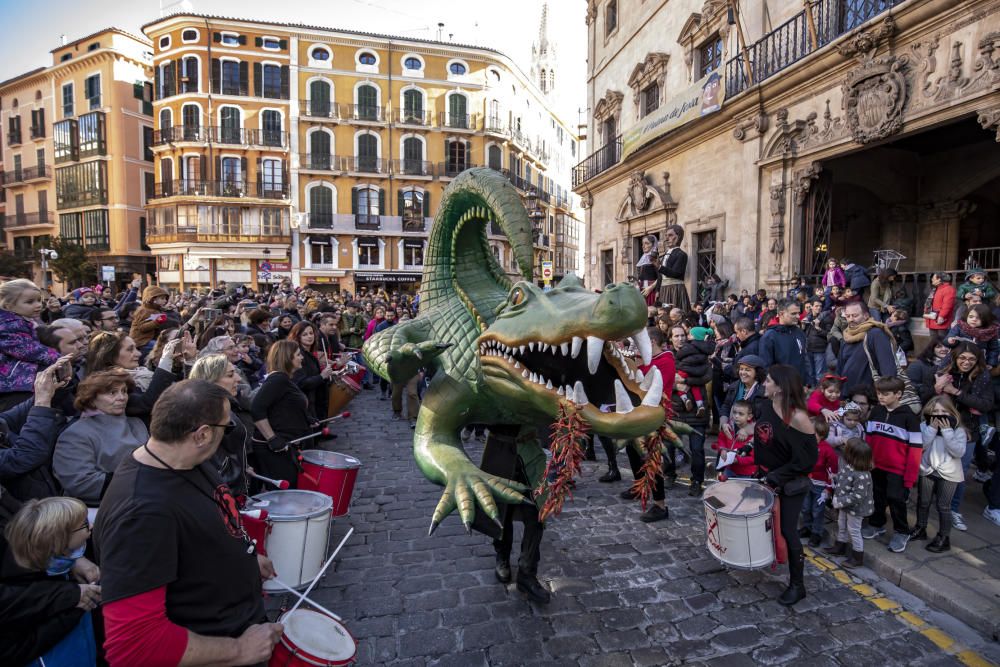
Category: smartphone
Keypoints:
(209, 314)
(64, 372)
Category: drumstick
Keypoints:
(309, 437)
(303, 597)
(322, 570)
(280, 483)
(342, 415)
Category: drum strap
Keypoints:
(228, 509)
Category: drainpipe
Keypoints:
(208, 137)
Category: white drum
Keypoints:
(313, 638)
(299, 534)
(739, 523)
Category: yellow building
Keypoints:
(77, 153)
(333, 147)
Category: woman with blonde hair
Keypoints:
(21, 353)
(941, 470)
(90, 448)
(231, 458)
(44, 605)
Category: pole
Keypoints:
(734, 4)
(811, 24)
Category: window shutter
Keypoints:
(216, 74)
(179, 72)
(258, 79)
(137, 90)
(156, 83)
(34, 118)
(426, 211)
(244, 78)
(41, 122)
(216, 37)
(260, 177)
(284, 175)
(283, 44)
(203, 166)
(354, 201)
(284, 82)
(400, 202)
(381, 202)
(218, 168)
(243, 171)
(192, 74)
(243, 40)
(257, 41)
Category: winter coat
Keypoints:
(834, 276)
(27, 438)
(90, 449)
(856, 277)
(881, 295)
(852, 362)
(692, 358)
(146, 323)
(749, 346)
(782, 344)
(986, 339)
(826, 464)
(922, 375)
(901, 332)
(986, 289)
(733, 394)
(943, 452)
(853, 492)
(940, 306)
(974, 398)
(78, 311)
(817, 329)
(21, 355)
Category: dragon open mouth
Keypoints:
(584, 370)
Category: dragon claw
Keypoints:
(434, 526)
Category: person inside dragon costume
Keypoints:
(512, 356)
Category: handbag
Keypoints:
(910, 398)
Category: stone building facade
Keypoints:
(847, 127)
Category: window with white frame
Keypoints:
(230, 39)
(413, 252)
(368, 252)
(272, 178)
(322, 250)
(67, 100)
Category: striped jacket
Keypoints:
(896, 442)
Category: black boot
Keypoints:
(589, 454)
(856, 559)
(502, 570)
(796, 586)
(838, 549)
(919, 533)
(530, 586)
(939, 544)
(612, 475)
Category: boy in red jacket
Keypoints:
(736, 451)
(820, 489)
(893, 433)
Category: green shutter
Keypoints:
(216, 74)
(257, 41)
(427, 204)
(381, 201)
(354, 201)
(243, 40)
(258, 79)
(285, 73)
(283, 44)
(244, 78)
(400, 202)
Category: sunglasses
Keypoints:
(227, 428)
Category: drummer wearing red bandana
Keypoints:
(181, 582)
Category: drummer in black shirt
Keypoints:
(786, 450)
(180, 580)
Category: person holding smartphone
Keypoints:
(941, 470)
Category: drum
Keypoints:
(342, 391)
(297, 536)
(332, 474)
(313, 638)
(740, 525)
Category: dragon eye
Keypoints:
(518, 296)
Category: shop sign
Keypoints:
(701, 98)
(386, 277)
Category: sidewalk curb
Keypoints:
(946, 601)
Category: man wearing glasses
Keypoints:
(181, 583)
(104, 319)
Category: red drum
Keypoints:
(342, 391)
(332, 474)
(313, 639)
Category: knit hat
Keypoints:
(974, 272)
(79, 292)
(751, 360)
(700, 333)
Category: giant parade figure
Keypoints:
(514, 357)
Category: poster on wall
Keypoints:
(701, 98)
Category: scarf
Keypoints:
(858, 333)
(644, 260)
(979, 334)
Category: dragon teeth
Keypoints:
(579, 395)
(575, 347)
(646, 382)
(641, 338)
(561, 392)
(542, 347)
(595, 348)
(548, 385)
(531, 346)
(638, 376)
(623, 404)
(521, 349)
(655, 393)
(525, 374)
(534, 377)
(564, 348)
(516, 365)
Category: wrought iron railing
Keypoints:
(792, 40)
(225, 188)
(27, 174)
(600, 161)
(452, 169)
(28, 219)
(320, 108)
(414, 117)
(408, 167)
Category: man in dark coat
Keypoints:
(862, 331)
(785, 342)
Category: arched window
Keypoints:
(367, 104)
(319, 53)
(367, 204)
(458, 108)
(321, 205)
(368, 153)
(189, 75)
(457, 68)
(229, 125)
(319, 150)
(413, 107)
(494, 158)
(319, 98)
(457, 157)
(413, 156)
(191, 120)
(413, 208)
(270, 126)
(166, 176)
(413, 63)
(366, 58)
(166, 121)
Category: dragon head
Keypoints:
(544, 347)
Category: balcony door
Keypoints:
(368, 153)
(191, 119)
(319, 150)
(413, 156)
(319, 98)
(458, 111)
(271, 127)
(367, 103)
(229, 125)
(321, 207)
(413, 107)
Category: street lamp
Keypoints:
(535, 214)
(47, 254)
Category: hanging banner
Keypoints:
(701, 98)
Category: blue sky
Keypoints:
(34, 28)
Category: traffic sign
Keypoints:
(264, 267)
(546, 271)
(107, 274)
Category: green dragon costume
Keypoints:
(506, 353)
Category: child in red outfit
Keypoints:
(825, 399)
(736, 451)
(821, 488)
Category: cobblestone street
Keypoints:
(624, 592)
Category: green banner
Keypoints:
(701, 98)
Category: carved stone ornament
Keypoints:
(864, 44)
(609, 106)
(750, 127)
(989, 119)
(777, 230)
(803, 180)
(875, 95)
(651, 70)
(669, 204)
(638, 198)
(591, 11)
(988, 63)
(586, 200)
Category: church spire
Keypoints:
(543, 56)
